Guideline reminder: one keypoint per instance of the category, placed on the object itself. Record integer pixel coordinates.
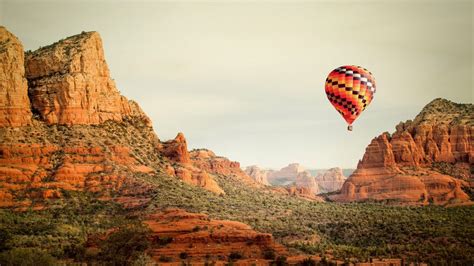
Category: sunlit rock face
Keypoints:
(69, 83)
(426, 160)
(14, 102)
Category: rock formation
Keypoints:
(297, 181)
(70, 159)
(217, 165)
(14, 103)
(199, 236)
(69, 83)
(259, 175)
(409, 165)
(177, 149)
(198, 177)
(330, 180)
(304, 180)
(285, 175)
(84, 135)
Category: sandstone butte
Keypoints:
(67, 127)
(69, 83)
(427, 160)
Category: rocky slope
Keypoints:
(427, 160)
(14, 102)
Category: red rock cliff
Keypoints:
(410, 165)
(14, 103)
(69, 83)
(176, 149)
(107, 141)
(217, 165)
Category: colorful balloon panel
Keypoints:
(350, 89)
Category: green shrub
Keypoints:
(26, 257)
(125, 245)
(5, 236)
(143, 260)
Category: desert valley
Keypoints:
(85, 178)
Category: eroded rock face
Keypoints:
(297, 181)
(199, 236)
(177, 149)
(306, 181)
(330, 180)
(217, 165)
(286, 174)
(259, 175)
(14, 103)
(197, 177)
(41, 171)
(304, 186)
(69, 83)
(406, 165)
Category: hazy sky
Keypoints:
(246, 79)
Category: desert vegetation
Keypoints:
(79, 227)
(361, 231)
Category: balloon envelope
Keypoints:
(350, 89)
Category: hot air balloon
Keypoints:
(350, 89)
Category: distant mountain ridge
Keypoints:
(296, 178)
(345, 171)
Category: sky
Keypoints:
(246, 78)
